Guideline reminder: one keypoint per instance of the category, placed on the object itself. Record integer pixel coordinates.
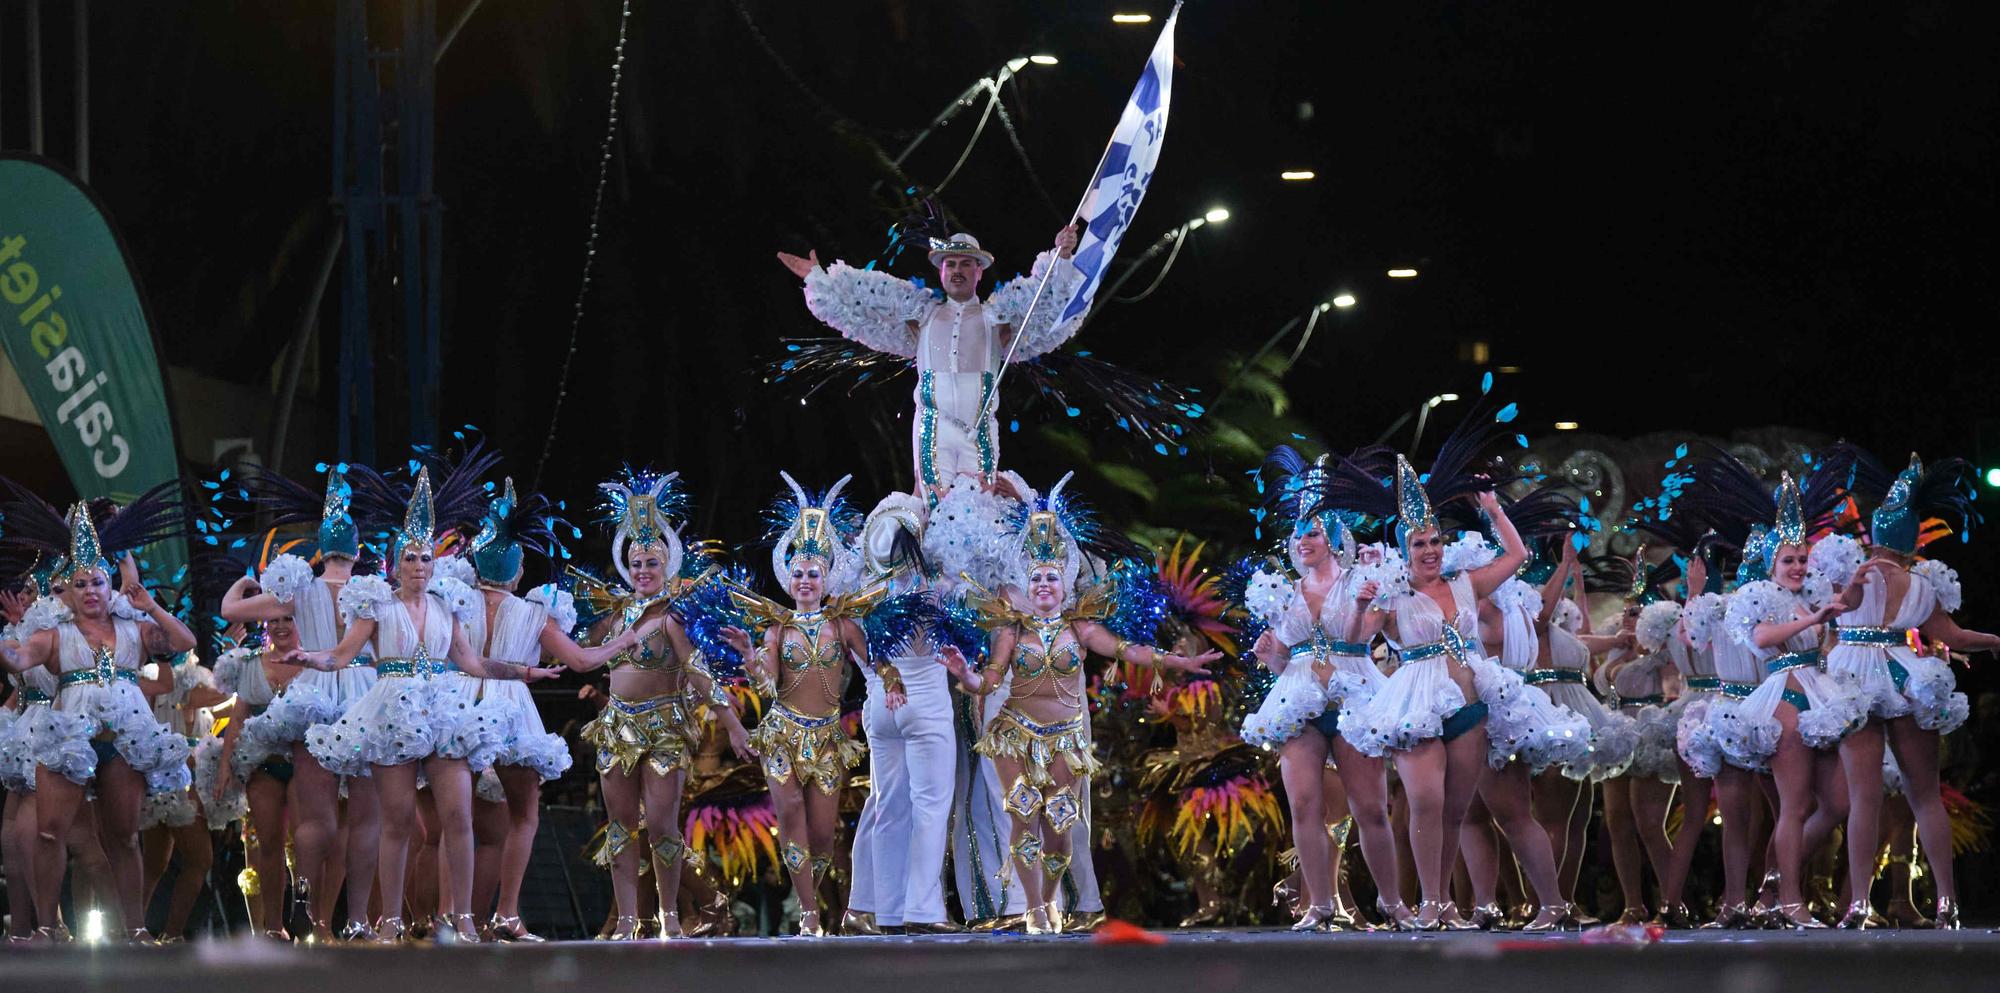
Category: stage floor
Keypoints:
(1686, 962)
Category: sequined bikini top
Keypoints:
(1029, 663)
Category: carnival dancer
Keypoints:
(175, 827)
(1436, 712)
(100, 734)
(421, 715)
(801, 665)
(1040, 741)
(1320, 673)
(900, 840)
(647, 732)
(1884, 593)
(321, 805)
(258, 769)
(1635, 801)
(38, 608)
(520, 630)
(1510, 621)
(1798, 712)
(958, 343)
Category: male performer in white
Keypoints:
(899, 842)
(958, 343)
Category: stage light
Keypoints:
(1216, 215)
(1993, 478)
(1566, 425)
(1402, 274)
(1043, 60)
(1344, 300)
(1297, 175)
(1508, 369)
(1131, 18)
(93, 927)
(1447, 397)
(1017, 63)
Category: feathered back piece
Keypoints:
(444, 496)
(1722, 493)
(93, 533)
(820, 526)
(1296, 501)
(1926, 503)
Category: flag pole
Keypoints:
(993, 398)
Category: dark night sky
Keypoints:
(1701, 217)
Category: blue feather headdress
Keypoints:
(1944, 491)
(814, 526)
(644, 509)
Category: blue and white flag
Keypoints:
(1121, 181)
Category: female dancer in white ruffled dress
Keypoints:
(328, 838)
(1798, 712)
(422, 714)
(262, 774)
(1912, 699)
(1436, 712)
(101, 733)
(509, 628)
(175, 827)
(34, 695)
(1636, 800)
(1318, 674)
(1700, 758)
(1563, 797)
(1509, 619)
(1658, 767)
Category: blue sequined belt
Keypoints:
(418, 668)
(1738, 691)
(1355, 648)
(809, 723)
(1792, 660)
(30, 695)
(99, 676)
(1649, 700)
(1884, 637)
(1539, 676)
(1711, 683)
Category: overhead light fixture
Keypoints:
(1447, 397)
(1131, 18)
(1216, 215)
(1566, 425)
(1402, 274)
(1297, 175)
(1344, 300)
(1508, 370)
(1993, 477)
(1043, 60)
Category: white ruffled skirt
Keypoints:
(1694, 738)
(405, 719)
(1613, 736)
(17, 761)
(1656, 754)
(1748, 729)
(283, 724)
(60, 737)
(1294, 700)
(173, 810)
(527, 742)
(1411, 706)
(234, 804)
(1929, 691)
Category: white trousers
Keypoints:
(899, 843)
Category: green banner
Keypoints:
(79, 335)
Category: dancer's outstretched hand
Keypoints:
(1192, 665)
(738, 639)
(800, 267)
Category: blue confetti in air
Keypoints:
(1073, 412)
(1486, 384)
(1014, 427)
(319, 467)
(1680, 451)
(1583, 505)
(210, 484)
(1160, 448)
(1507, 414)
(1578, 541)
(1298, 436)
(1521, 440)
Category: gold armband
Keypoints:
(892, 680)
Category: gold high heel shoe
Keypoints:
(1797, 916)
(625, 929)
(1860, 916)
(358, 931)
(1730, 917)
(1488, 917)
(510, 929)
(1314, 920)
(1631, 917)
(809, 925)
(391, 931)
(1947, 914)
(1436, 923)
(1396, 916)
(463, 929)
(1037, 920)
(1675, 917)
(670, 926)
(717, 919)
(1554, 917)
